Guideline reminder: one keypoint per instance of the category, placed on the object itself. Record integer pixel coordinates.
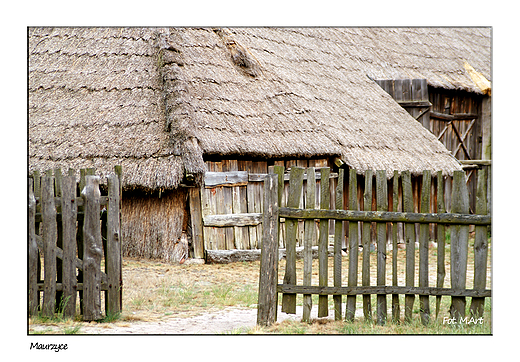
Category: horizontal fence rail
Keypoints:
(372, 212)
(69, 237)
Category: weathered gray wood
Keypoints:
(239, 206)
(226, 220)
(60, 301)
(353, 245)
(382, 290)
(268, 295)
(310, 233)
(481, 246)
(338, 240)
(197, 229)
(382, 205)
(92, 252)
(295, 190)
(227, 204)
(424, 306)
(441, 242)
(49, 234)
(387, 216)
(69, 216)
(367, 202)
(323, 242)
(229, 178)
(409, 237)
(459, 244)
(231, 256)
(396, 312)
(34, 295)
(113, 260)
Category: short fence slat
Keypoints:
(441, 244)
(338, 239)
(267, 293)
(409, 237)
(365, 278)
(459, 244)
(423, 248)
(382, 205)
(291, 225)
(69, 215)
(310, 232)
(49, 244)
(113, 254)
(353, 246)
(34, 295)
(92, 252)
(323, 243)
(395, 205)
(481, 246)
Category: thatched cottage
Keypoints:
(171, 105)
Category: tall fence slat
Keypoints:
(382, 205)
(113, 262)
(49, 235)
(481, 246)
(323, 243)
(353, 246)
(423, 248)
(291, 225)
(338, 239)
(69, 216)
(34, 295)
(441, 243)
(92, 252)
(459, 244)
(365, 278)
(59, 241)
(308, 241)
(408, 206)
(267, 294)
(395, 205)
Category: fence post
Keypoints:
(396, 310)
(481, 245)
(459, 244)
(338, 238)
(307, 242)
(382, 205)
(34, 295)
(49, 244)
(68, 217)
(267, 293)
(293, 200)
(410, 244)
(353, 245)
(92, 252)
(441, 270)
(113, 252)
(367, 241)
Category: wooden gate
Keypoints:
(385, 224)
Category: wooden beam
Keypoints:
(225, 220)
(230, 178)
(453, 117)
(418, 104)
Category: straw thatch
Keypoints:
(157, 100)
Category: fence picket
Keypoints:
(308, 241)
(34, 295)
(441, 244)
(323, 243)
(92, 252)
(367, 202)
(338, 239)
(395, 205)
(423, 248)
(291, 225)
(459, 244)
(382, 205)
(49, 235)
(408, 206)
(353, 246)
(69, 216)
(113, 253)
(481, 245)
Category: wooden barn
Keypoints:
(195, 116)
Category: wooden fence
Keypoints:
(362, 224)
(69, 238)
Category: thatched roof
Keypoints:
(156, 100)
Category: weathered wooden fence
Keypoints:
(362, 224)
(69, 238)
